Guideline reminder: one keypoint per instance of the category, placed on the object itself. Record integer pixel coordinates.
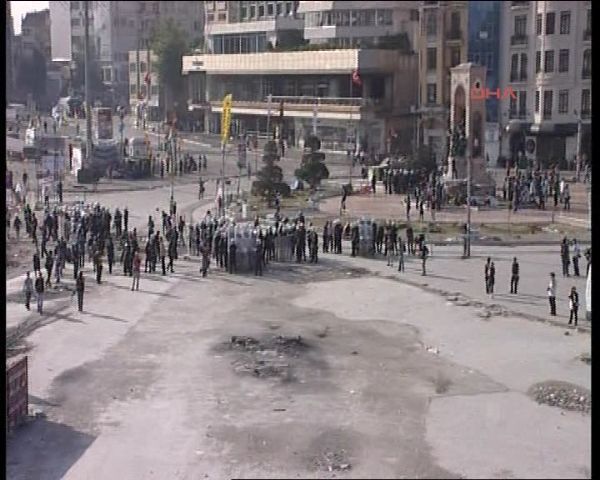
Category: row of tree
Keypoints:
(312, 170)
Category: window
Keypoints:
(586, 101)
(75, 22)
(132, 89)
(455, 22)
(550, 23)
(252, 11)
(547, 104)
(143, 67)
(143, 89)
(210, 17)
(538, 24)
(563, 60)
(520, 25)
(154, 89)
(384, 17)
(431, 24)
(588, 21)
(289, 8)
(431, 93)
(222, 17)
(270, 9)
(586, 70)
(563, 101)
(261, 11)
(565, 23)
(538, 61)
(278, 8)
(243, 12)
(522, 104)
(512, 107)
(514, 67)
(548, 61)
(523, 73)
(74, 5)
(454, 56)
(537, 101)
(132, 67)
(431, 58)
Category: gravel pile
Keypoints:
(566, 396)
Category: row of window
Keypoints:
(564, 25)
(251, 43)
(518, 105)
(563, 62)
(347, 18)
(432, 57)
(430, 26)
(143, 91)
(257, 10)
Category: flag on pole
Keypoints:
(356, 78)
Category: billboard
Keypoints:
(104, 123)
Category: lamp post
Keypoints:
(578, 147)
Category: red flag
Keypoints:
(356, 78)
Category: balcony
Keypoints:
(454, 35)
(515, 5)
(587, 35)
(518, 40)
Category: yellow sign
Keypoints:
(226, 118)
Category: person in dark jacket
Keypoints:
(125, 219)
(573, 305)
(28, 290)
(514, 278)
(39, 291)
(172, 253)
(565, 257)
(36, 263)
(110, 254)
(99, 266)
(486, 274)
(232, 263)
(355, 239)
(80, 288)
(49, 266)
(491, 279)
(258, 261)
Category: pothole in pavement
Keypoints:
(272, 357)
(564, 395)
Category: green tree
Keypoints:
(270, 178)
(169, 44)
(312, 170)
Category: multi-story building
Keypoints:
(546, 59)
(67, 30)
(443, 44)
(483, 49)
(304, 59)
(10, 66)
(351, 24)
(35, 31)
(250, 27)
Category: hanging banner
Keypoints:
(226, 118)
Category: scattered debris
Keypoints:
(333, 461)
(433, 350)
(324, 333)
(563, 395)
(586, 358)
(354, 352)
(279, 409)
(567, 333)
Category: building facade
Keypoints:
(35, 32)
(144, 87)
(546, 58)
(10, 58)
(443, 44)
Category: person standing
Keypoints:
(172, 252)
(80, 288)
(17, 226)
(232, 261)
(486, 274)
(344, 196)
(491, 279)
(28, 290)
(567, 197)
(410, 240)
(564, 256)
(49, 266)
(424, 255)
(576, 257)
(39, 291)
(136, 268)
(36, 263)
(573, 305)
(389, 249)
(551, 291)
(514, 278)
(401, 247)
(162, 251)
(99, 267)
(110, 254)
(205, 259)
(125, 219)
(258, 260)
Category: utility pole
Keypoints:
(86, 62)
(269, 98)
(468, 157)
(578, 148)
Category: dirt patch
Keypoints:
(564, 395)
(324, 271)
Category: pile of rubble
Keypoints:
(333, 461)
(563, 395)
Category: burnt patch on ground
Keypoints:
(564, 395)
(323, 271)
(274, 356)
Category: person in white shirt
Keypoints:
(551, 290)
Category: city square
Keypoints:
(185, 312)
